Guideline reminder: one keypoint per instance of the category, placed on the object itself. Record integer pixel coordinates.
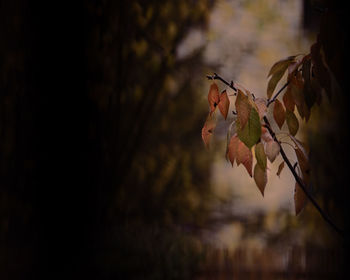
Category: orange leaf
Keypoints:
(233, 148)
(279, 113)
(207, 130)
(260, 177)
(299, 198)
(243, 108)
(224, 104)
(213, 96)
(245, 156)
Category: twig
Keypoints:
(217, 77)
(285, 158)
(276, 95)
(300, 182)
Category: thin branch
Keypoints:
(217, 77)
(285, 158)
(300, 182)
(276, 95)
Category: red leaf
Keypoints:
(243, 108)
(213, 96)
(207, 130)
(233, 148)
(245, 156)
(224, 104)
(279, 113)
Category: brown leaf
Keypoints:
(299, 198)
(208, 129)
(288, 99)
(260, 178)
(243, 108)
(213, 96)
(245, 156)
(280, 168)
(292, 122)
(224, 104)
(272, 149)
(303, 164)
(233, 148)
(279, 113)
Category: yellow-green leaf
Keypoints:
(260, 155)
(251, 132)
(260, 177)
(280, 65)
(276, 72)
(292, 122)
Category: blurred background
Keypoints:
(103, 169)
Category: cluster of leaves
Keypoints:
(307, 77)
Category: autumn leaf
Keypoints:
(265, 135)
(208, 129)
(260, 177)
(250, 134)
(233, 148)
(272, 149)
(243, 108)
(303, 164)
(280, 65)
(279, 113)
(276, 72)
(261, 106)
(292, 122)
(224, 104)
(213, 96)
(299, 198)
(288, 100)
(280, 168)
(260, 155)
(244, 155)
